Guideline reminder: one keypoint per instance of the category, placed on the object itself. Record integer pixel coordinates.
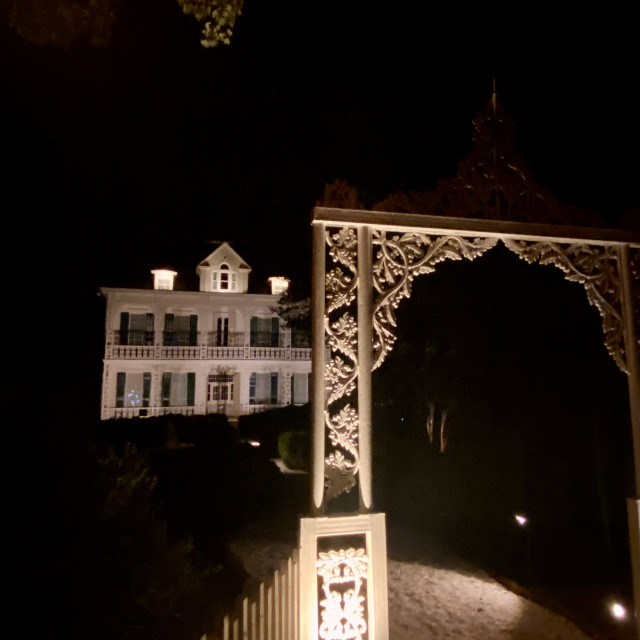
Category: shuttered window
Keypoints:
(265, 332)
(133, 389)
(180, 330)
(136, 328)
(178, 389)
(263, 388)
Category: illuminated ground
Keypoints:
(435, 594)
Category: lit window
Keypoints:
(133, 389)
(224, 279)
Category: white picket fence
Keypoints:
(273, 613)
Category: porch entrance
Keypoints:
(220, 392)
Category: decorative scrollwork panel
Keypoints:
(398, 260)
(342, 463)
(344, 574)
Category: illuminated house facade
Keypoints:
(216, 350)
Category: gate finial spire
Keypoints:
(493, 96)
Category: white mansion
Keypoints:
(216, 350)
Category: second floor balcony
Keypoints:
(212, 345)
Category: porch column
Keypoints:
(317, 368)
(365, 342)
(633, 366)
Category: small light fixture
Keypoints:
(254, 443)
(279, 285)
(163, 278)
(521, 519)
(617, 611)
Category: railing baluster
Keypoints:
(297, 561)
(290, 597)
(254, 620)
(262, 612)
(270, 622)
(271, 613)
(245, 618)
(277, 595)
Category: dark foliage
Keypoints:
(266, 427)
(293, 447)
(122, 533)
(536, 421)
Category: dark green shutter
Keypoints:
(191, 389)
(254, 331)
(146, 388)
(148, 334)
(275, 329)
(121, 381)
(166, 389)
(124, 328)
(168, 329)
(274, 388)
(252, 389)
(193, 330)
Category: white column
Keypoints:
(633, 366)
(365, 346)
(317, 368)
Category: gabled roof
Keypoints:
(224, 253)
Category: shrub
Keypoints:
(293, 448)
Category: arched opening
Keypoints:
(498, 399)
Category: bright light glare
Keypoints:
(254, 443)
(618, 611)
(520, 519)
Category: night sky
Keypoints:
(147, 152)
(141, 154)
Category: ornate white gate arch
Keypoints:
(373, 259)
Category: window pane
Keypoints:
(134, 392)
(300, 388)
(178, 397)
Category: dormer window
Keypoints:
(224, 279)
(224, 271)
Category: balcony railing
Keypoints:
(142, 412)
(110, 413)
(208, 346)
(259, 408)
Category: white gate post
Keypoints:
(362, 569)
(365, 347)
(317, 369)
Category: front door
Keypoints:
(219, 392)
